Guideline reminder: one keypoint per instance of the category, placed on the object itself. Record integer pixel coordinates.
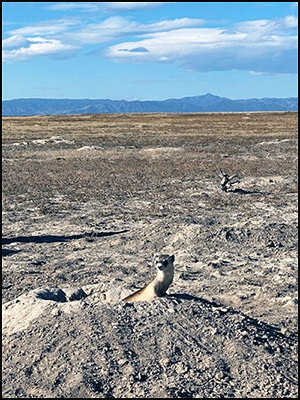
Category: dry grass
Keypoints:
(229, 325)
(143, 130)
(140, 155)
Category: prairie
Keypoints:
(87, 200)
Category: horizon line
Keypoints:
(128, 101)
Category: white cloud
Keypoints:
(37, 47)
(134, 5)
(45, 28)
(74, 33)
(15, 42)
(291, 21)
(258, 46)
(84, 6)
(116, 27)
(38, 40)
(108, 29)
(105, 6)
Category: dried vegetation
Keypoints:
(228, 327)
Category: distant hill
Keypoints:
(205, 103)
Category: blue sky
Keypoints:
(149, 50)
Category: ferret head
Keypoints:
(163, 261)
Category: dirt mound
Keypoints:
(177, 346)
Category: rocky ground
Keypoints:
(86, 203)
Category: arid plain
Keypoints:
(87, 200)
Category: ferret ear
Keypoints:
(172, 257)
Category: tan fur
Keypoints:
(159, 285)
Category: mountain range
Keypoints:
(204, 103)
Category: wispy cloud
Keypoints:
(259, 46)
(42, 39)
(105, 6)
(56, 37)
(134, 5)
(15, 42)
(49, 28)
(116, 27)
(19, 48)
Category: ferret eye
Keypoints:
(165, 263)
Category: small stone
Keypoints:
(56, 312)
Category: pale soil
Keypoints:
(146, 184)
